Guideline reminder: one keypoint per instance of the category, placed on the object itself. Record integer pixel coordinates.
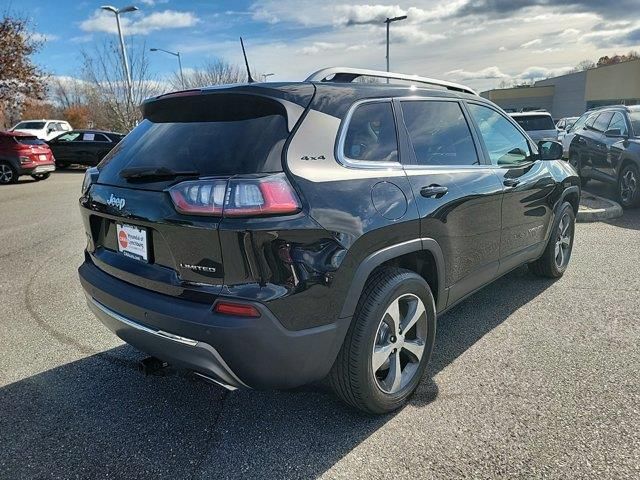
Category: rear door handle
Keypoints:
(436, 191)
(510, 182)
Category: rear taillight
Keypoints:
(236, 309)
(236, 197)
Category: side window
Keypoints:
(602, 122)
(439, 133)
(504, 142)
(579, 123)
(89, 137)
(100, 138)
(371, 134)
(68, 137)
(618, 122)
(591, 120)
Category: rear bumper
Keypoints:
(34, 168)
(236, 351)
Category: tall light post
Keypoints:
(175, 54)
(266, 75)
(388, 21)
(125, 61)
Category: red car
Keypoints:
(24, 154)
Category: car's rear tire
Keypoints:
(62, 166)
(389, 342)
(629, 186)
(41, 176)
(555, 259)
(574, 161)
(7, 174)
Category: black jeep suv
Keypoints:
(607, 148)
(271, 235)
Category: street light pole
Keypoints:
(265, 75)
(175, 54)
(388, 22)
(123, 51)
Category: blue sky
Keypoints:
(479, 42)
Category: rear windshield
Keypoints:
(536, 122)
(29, 140)
(30, 125)
(211, 134)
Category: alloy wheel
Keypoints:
(563, 241)
(6, 173)
(400, 343)
(628, 186)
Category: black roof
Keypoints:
(333, 98)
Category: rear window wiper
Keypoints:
(140, 173)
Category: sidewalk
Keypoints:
(595, 209)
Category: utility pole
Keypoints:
(388, 22)
(175, 54)
(125, 61)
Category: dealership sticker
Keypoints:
(132, 241)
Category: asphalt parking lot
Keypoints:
(530, 378)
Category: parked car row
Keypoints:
(25, 153)
(602, 144)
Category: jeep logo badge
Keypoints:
(116, 201)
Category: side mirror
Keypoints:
(613, 132)
(560, 127)
(549, 150)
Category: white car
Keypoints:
(43, 129)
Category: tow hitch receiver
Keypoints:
(152, 366)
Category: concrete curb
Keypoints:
(596, 209)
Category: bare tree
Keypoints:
(216, 72)
(67, 92)
(106, 85)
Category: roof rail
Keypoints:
(348, 75)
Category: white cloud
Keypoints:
(264, 15)
(44, 37)
(318, 47)
(102, 21)
(531, 43)
(569, 32)
(485, 73)
(151, 3)
(494, 73)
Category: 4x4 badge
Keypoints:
(306, 158)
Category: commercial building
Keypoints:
(572, 94)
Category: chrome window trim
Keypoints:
(344, 127)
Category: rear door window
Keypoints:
(439, 133)
(371, 134)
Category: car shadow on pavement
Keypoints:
(631, 216)
(99, 417)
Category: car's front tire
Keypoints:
(7, 174)
(389, 342)
(629, 186)
(556, 256)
